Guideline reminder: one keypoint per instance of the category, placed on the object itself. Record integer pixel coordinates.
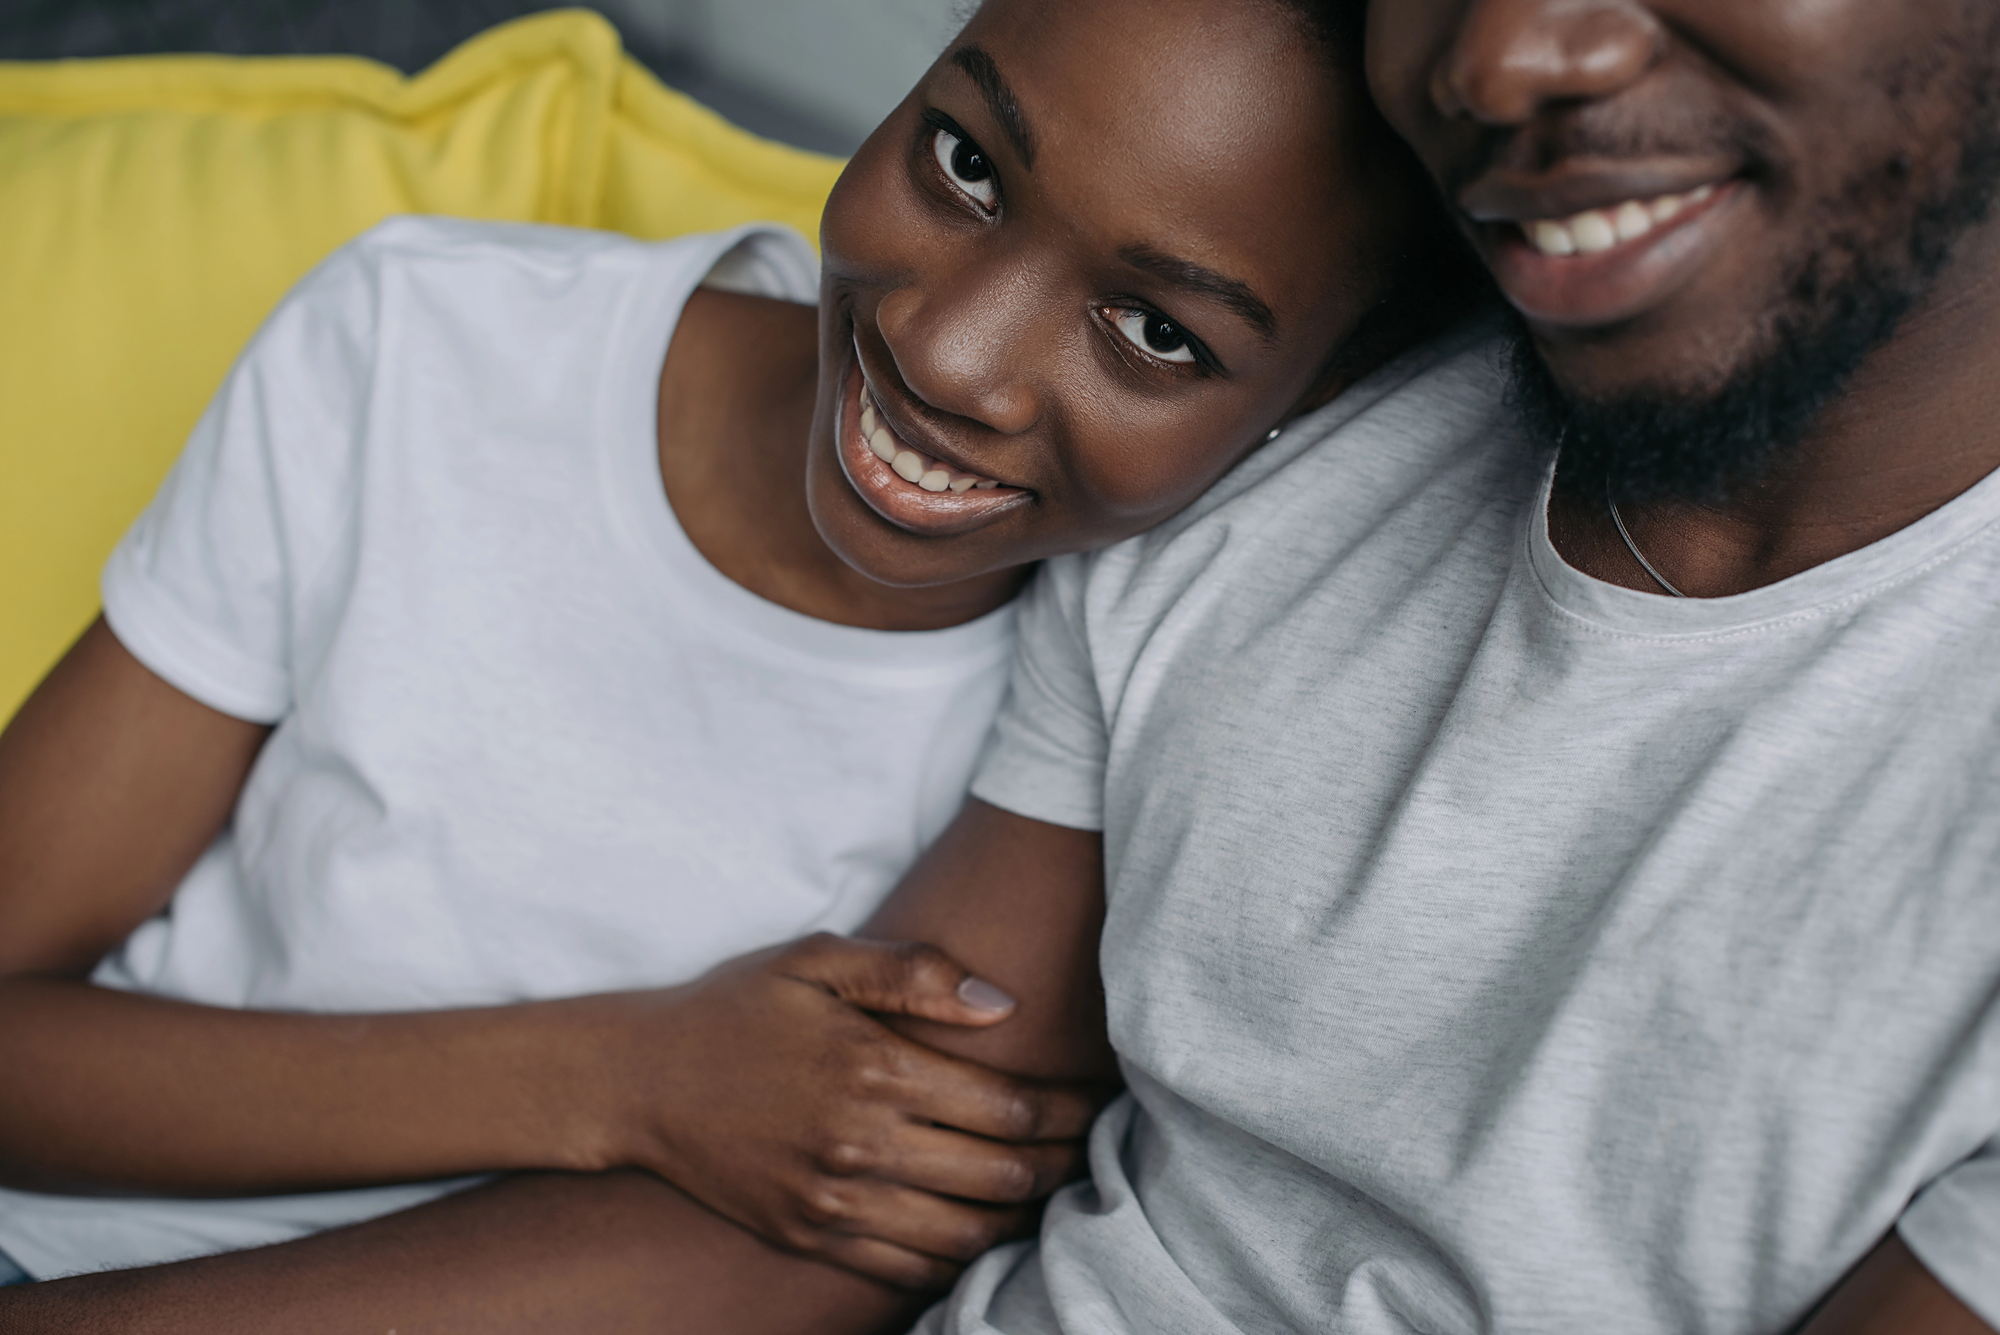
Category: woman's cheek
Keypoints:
(1146, 470)
(870, 216)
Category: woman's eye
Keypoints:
(1154, 333)
(966, 166)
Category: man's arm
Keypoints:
(1891, 1293)
(1020, 902)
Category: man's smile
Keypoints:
(1589, 246)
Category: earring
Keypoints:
(1273, 433)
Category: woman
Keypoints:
(453, 754)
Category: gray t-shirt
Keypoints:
(1494, 949)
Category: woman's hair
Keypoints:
(1340, 24)
(1432, 276)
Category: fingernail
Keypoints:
(983, 996)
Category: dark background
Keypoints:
(408, 34)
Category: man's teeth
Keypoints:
(1594, 230)
(911, 466)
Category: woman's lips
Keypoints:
(905, 486)
(1605, 265)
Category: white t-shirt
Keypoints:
(530, 743)
(1490, 948)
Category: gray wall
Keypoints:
(817, 72)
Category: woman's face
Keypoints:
(1096, 255)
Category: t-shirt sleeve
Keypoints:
(205, 587)
(1953, 1227)
(1046, 758)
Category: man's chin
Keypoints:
(1845, 298)
(1738, 426)
(1652, 442)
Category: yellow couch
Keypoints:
(153, 210)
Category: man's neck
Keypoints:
(1916, 427)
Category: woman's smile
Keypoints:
(1060, 299)
(904, 478)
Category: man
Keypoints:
(1494, 940)
(1497, 939)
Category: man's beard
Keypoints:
(1704, 445)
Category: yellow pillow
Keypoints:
(153, 210)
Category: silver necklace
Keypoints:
(1633, 547)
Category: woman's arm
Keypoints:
(623, 1252)
(111, 785)
(606, 1254)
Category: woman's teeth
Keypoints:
(1596, 230)
(907, 463)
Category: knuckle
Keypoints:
(885, 1069)
(923, 962)
(1020, 1117)
(918, 1273)
(1015, 1179)
(812, 949)
(970, 1237)
(847, 1157)
(796, 1236)
(822, 1206)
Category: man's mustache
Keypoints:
(1607, 133)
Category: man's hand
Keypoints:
(768, 1091)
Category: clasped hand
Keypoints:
(772, 1091)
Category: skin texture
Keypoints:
(1803, 111)
(1821, 117)
(772, 1090)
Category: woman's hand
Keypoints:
(769, 1092)
(765, 1090)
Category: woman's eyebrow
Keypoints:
(1193, 277)
(1000, 99)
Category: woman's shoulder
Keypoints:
(1433, 422)
(1398, 428)
(573, 263)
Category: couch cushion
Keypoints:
(158, 207)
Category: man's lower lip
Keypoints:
(927, 513)
(1583, 291)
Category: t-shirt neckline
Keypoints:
(1968, 517)
(637, 496)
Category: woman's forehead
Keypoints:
(1213, 130)
(1097, 57)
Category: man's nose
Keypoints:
(958, 343)
(1512, 58)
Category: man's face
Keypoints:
(1708, 212)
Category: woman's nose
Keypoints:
(964, 343)
(1512, 58)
